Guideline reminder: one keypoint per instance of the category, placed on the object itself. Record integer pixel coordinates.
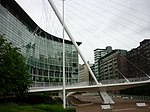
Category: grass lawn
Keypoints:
(11, 107)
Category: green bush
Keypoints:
(35, 98)
(34, 108)
(54, 108)
(14, 76)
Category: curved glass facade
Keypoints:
(43, 52)
(45, 60)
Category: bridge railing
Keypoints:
(113, 81)
(58, 84)
(145, 98)
(110, 81)
(138, 79)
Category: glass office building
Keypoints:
(42, 51)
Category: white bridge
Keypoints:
(105, 85)
(102, 88)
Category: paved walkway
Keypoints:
(121, 105)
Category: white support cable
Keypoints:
(48, 14)
(107, 17)
(129, 8)
(118, 40)
(121, 73)
(52, 29)
(45, 13)
(128, 47)
(72, 39)
(93, 35)
(106, 10)
(123, 76)
(122, 11)
(112, 28)
(123, 43)
(46, 17)
(129, 38)
(138, 54)
(102, 15)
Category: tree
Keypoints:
(14, 76)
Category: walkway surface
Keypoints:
(121, 105)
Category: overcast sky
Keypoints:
(121, 24)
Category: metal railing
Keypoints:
(145, 98)
(110, 81)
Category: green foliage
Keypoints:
(14, 76)
(35, 98)
(19, 108)
(34, 108)
(54, 108)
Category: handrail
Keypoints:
(110, 81)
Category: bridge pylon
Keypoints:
(104, 95)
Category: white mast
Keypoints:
(64, 80)
(72, 39)
(105, 96)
